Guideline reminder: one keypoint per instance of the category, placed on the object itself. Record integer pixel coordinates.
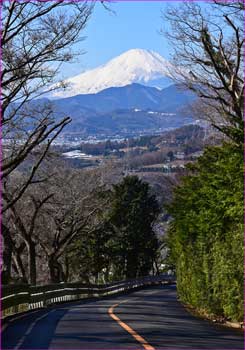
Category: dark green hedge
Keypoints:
(206, 234)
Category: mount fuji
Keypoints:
(134, 66)
(130, 95)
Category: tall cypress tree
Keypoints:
(133, 212)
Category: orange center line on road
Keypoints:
(132, 332)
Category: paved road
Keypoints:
(154, 317)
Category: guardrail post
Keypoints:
(13, 296)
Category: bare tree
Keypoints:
(208, 49)
(46, 220)
(24, 217)
(68, 212)
(37, 37)
(12, 256)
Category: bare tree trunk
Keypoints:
(7, 255)
(12, 254)
(19, 266)
(96, 277)
(32, 263)
(7, 260)
(157, 267)
(52, 269)
(67, 269)
(55, 269)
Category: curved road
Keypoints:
(149, 319)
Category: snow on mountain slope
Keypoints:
(133, 66)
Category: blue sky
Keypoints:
(135, 24)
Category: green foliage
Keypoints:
(121, 243)
(206, 234)
(132, 215)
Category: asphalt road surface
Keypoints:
(149, 319)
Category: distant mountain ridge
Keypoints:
(169, 99)
(130, 94)
(133, 66)
(132, 108)
(128, 110)
(128, 123)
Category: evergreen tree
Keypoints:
(133, 212)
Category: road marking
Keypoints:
(30, 328)
(19, 317)
(132, 332)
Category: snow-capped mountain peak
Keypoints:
(133, 66)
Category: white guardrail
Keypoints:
(19, 298)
